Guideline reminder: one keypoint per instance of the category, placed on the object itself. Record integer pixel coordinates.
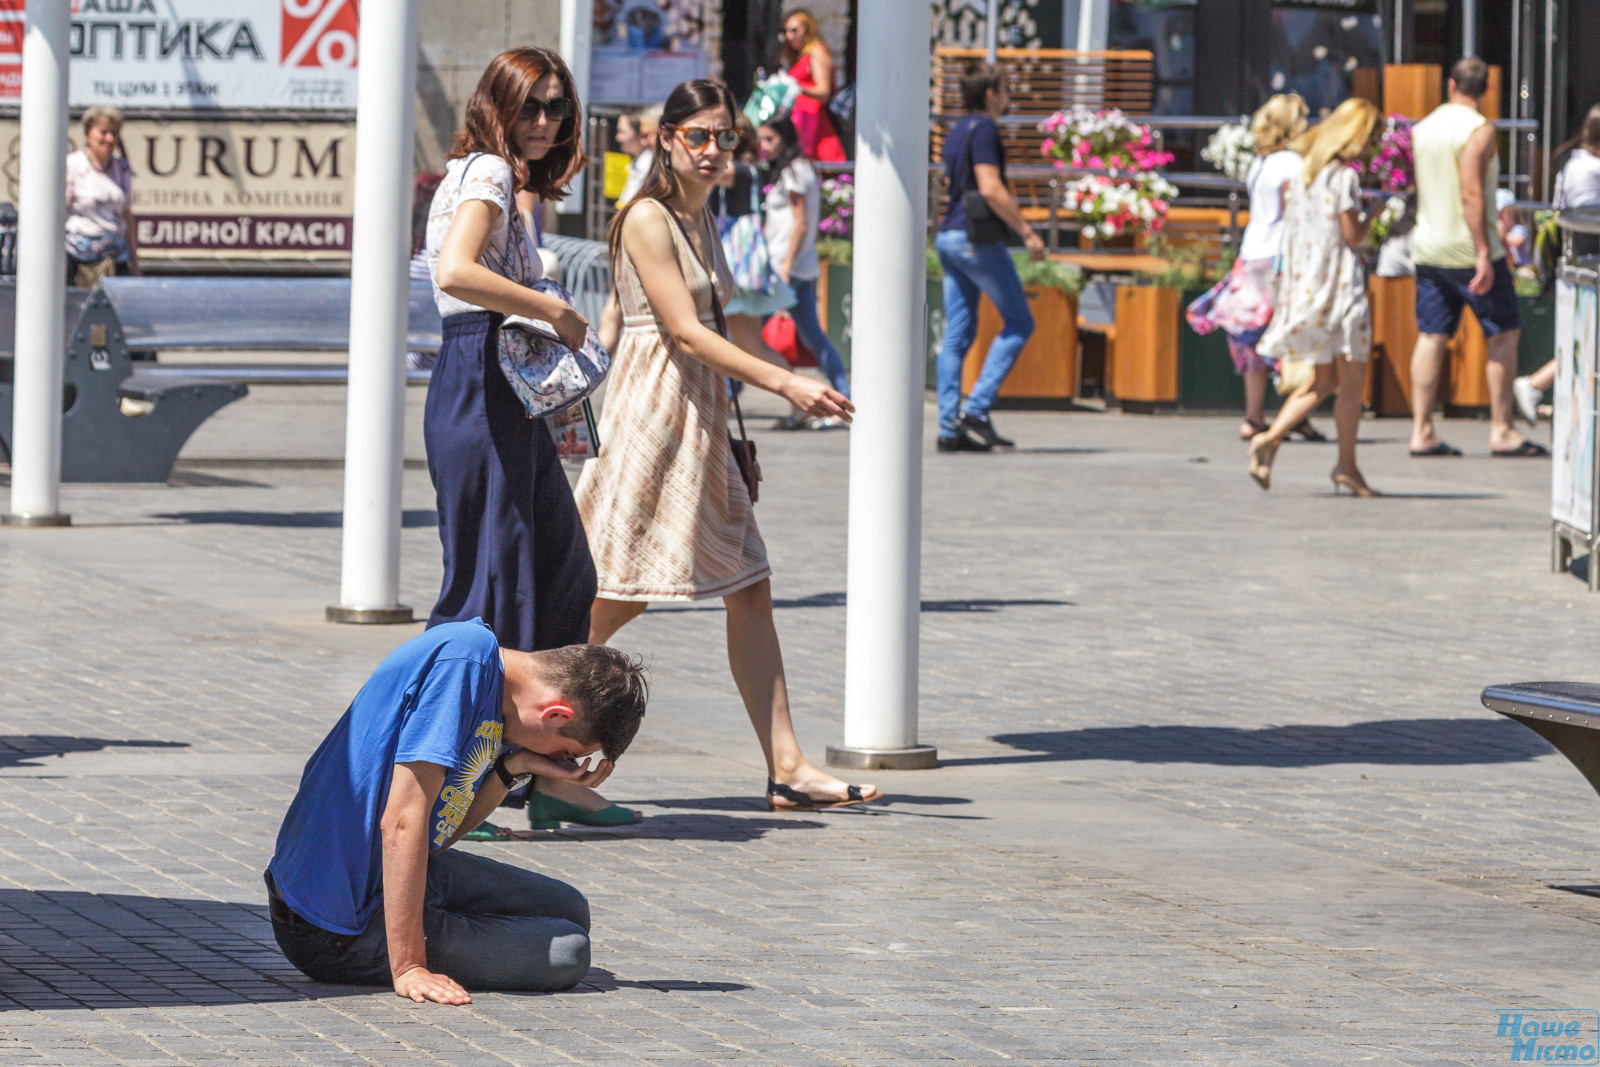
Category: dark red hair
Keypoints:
(493, 109)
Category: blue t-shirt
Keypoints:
(436, 698)
(984, 133)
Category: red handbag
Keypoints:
(782, 337)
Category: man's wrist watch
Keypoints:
(509, 780)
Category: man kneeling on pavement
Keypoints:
(363, 886)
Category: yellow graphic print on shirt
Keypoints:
(462, 785)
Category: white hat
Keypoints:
(1504, 198)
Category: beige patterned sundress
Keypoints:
(666, 511)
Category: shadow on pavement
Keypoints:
(66, 950)
(837, 600)
(600, 980)
(16, 750)
(674, 826)
(412, 519)
(1410, 742)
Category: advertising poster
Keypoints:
(1572, 472)
(200, 54)
(230, 191)
(643, 48)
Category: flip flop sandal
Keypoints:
(1527, 449)
(1307, 432)
(1255, 428)
(805, 802)
(1440, 449)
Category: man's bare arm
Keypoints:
(405, 827)
(1475, 157)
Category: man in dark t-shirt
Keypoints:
(976, 262)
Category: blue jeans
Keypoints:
(488, 925)
(812, 335)
(968, 273)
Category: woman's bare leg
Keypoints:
(606, 617)
(757, 662)
(1347, 415)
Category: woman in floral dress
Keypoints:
(1321, 313)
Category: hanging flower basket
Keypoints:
(1231, 150)
(1130, 197)
(1390, 165)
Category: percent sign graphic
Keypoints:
(319, 33)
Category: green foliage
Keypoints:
(1048, 274)
(1527, 285)
(1186, 267)
(935, 269)
(835, 250)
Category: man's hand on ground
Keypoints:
(422, 985)
(567, 770)
(1483, 277)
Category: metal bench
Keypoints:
(1566, 714)
(104, 440)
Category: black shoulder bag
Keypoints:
(984, 227)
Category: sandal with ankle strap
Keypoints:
(805, 802)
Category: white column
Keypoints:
(1469, 27)
(991, 29)
(885, 538)
(41, 269)
(1094, 25)
(577, 29)
(369, 589)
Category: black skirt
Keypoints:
(515, 554)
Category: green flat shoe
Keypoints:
(546, 812)
(487, 831)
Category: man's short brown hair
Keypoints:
(976, 81)
(1471, 76)
(607, 690)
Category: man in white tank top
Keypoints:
(1460, 261)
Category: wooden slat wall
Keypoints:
(1045, 81)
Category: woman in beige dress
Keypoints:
(667, 513)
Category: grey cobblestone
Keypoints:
(1216, 788)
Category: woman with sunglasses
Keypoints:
(514, 550)
(667, 511)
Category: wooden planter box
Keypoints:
(1047, 369)
(1465, 386)
(1143, 365)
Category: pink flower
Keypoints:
(1047, 147)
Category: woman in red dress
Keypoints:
(811, 64)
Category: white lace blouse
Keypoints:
(510, 252)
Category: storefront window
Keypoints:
(1165, 28)
(1327, 56)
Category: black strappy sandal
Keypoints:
(806, 802)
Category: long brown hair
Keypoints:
(1588, 134)
(493, 109)
(661, 182)
(791, 56)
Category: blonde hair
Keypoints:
(94, 116)
(1344, 135)
(1279, 121)
(813, 39)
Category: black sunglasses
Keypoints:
(557, 109)
(697, 137)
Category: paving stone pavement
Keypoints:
(1216, 788)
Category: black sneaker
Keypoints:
(983, 429)
(962, 443)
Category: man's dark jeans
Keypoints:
(489, 925)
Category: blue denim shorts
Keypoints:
(1442, 292)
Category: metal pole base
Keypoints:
(12, 519)
(915, 758)
(371, 616)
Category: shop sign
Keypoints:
(253, 191)
(200, 54)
